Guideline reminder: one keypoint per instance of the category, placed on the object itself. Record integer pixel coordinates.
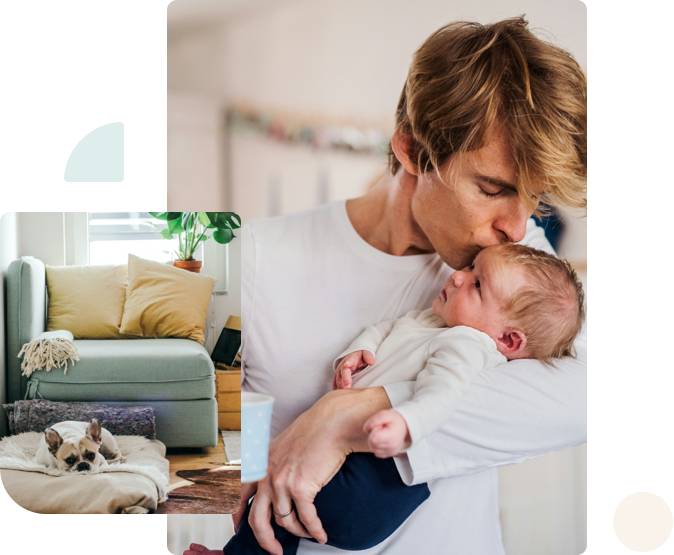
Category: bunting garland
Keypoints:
(297, 130)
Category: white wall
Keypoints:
(195, 126)
(229, 304)
(42, 235)
(347, 57)
(351, 56)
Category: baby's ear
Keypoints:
(512, 344)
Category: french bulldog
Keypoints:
(77, 447)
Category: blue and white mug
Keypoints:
(255, 428)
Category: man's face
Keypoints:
(477, 208)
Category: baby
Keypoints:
(513, 302)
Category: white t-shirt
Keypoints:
(309, 283)
(441, 361)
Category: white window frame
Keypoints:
(215, 257)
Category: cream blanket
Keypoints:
(51, 349)
(133, 487)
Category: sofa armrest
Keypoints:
(26, 316)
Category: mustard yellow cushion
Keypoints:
(86, 300)
(164, 301)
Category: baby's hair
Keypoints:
(550, 308)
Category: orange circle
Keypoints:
(643, 521)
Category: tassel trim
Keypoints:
(45, 354)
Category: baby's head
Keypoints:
(529, 302)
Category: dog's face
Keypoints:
(79, 455)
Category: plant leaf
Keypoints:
(223, 236)
(204, 219)
(173, 215)
(186, 220)
(158, 215)
(213, 218)
(175, 226)
(233, 219)
(225, 220)
(166, 234)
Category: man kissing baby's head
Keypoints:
(528, 301)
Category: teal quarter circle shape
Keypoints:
(99, 156)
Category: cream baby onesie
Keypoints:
(419, 346)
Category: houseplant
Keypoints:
(192, 229)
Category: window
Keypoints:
(113, 235)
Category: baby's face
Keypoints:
(474, 296)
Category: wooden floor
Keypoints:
(195, 459)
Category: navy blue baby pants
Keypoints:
(363, 504)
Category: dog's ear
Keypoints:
(53, 440)
(94, 431)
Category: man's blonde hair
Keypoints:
(550, 307)
(468, 76)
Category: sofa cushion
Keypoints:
(164, 301)
(130, 370)
(86, 300)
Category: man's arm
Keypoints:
(355, 407)
(305, 457)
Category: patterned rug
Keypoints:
(213, 492)
(232, 443)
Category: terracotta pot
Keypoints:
(189, 265)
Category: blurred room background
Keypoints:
(278, 107)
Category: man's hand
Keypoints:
(387, 433)
(197, 549)
(349, 365)
(247, 491)
(305, 457)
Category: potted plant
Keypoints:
(192, 229)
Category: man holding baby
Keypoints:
(491, 126)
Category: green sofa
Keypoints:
(175, 376)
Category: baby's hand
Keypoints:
(348, 366)
(197, 549)
(387, 433)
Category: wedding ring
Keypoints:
(282, 516)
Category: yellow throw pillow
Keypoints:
(164, 301)
(86, 300)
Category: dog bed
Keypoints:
(133, 487)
